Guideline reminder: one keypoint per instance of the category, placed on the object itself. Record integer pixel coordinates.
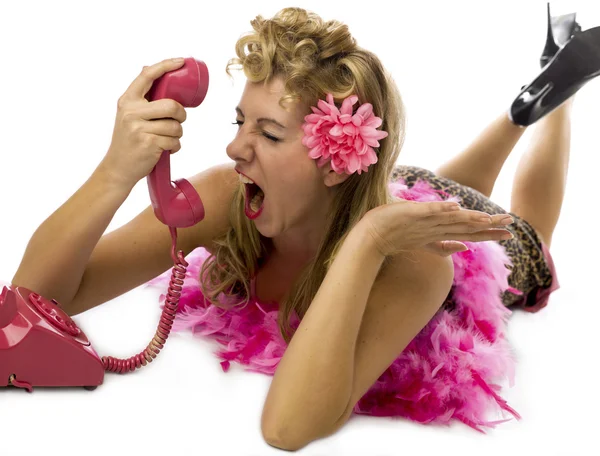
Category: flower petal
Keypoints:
(313, 141)
(365, 110)
(313, 118)
(380, 134)
(325, 107)
(350, 130)
(353, 163)
(348, 103)
(336, 130)
(322, 161)
(345, 118)
(373, 122)
(357, 120)
(316, 152)
(372, 156)
(358, 144)
(368, 132)
(371, 142)
(334, 149)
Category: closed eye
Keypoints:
(239, 123)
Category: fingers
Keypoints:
(165, 127)
(465, 216)
(470, 225)
(168, 143)
(448, 212)
(445, 248)
(492, 234)
(430, 208)
(473, 226)
(142, 84)
(162, 109)
(441, 215)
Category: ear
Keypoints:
(330, 177)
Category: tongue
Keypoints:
(257, 200)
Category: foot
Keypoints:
(573, 66)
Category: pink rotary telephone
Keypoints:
(40, 345)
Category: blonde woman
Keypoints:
(361, 285)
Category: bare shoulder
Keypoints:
(216, 187)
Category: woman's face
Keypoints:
(268, 149)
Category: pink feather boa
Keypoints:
(447, 371)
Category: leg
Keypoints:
(478, 166)
(540, 179)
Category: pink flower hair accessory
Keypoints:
(345, 139)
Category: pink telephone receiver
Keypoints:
(179, 205)
(40, 345)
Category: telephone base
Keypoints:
(41, 346)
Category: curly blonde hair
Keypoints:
(314, 57)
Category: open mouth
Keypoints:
(255, 198)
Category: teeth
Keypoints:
(245, 180)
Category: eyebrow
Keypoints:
(262, 119)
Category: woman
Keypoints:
(363, 257)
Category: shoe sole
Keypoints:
(571, 68)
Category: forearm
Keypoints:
(57, 253)
(313, 382)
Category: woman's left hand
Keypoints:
(434, 226)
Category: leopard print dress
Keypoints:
(530, 271)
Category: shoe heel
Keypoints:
(551, 47)
(560, 29)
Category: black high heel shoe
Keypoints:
(573, 66)
(560, 30)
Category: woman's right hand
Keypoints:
(143, 129)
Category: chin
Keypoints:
(267, 228)
(265, 231)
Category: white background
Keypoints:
(458, 64)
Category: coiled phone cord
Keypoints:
(165, 324)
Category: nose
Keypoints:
(240, 148)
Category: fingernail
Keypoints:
(507, 236)
(178, 60)
(506, 220)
